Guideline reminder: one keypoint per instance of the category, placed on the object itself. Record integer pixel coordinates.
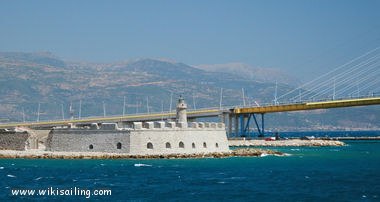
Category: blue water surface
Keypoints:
(349, 173)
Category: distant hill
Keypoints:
(27, 79)
(38, 58)
(254, 73)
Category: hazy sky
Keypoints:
(297, 36)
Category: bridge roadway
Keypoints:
(211, 112)
(202, 113)
(246, 113)
(308, 106)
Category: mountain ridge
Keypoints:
(31, 79)
(254, 73)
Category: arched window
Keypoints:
(193, 145)
(91, 146)
(204, 145)
(118, 145)
(168, 145)
(149, 145)
(181, 145)
(216, 145)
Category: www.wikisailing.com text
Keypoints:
(74, 191)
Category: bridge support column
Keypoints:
(236, 125)
(229, 125)
(262, 125)
(261, 130)
(244, 125)
(247, 121)
(241, 121)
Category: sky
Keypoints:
(302, 38)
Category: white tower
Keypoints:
(181, 111)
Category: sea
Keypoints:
(348, 173)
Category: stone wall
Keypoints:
(144, 139)
(10, 140)
(179, 141)
(79, 140)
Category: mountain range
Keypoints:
(29, 81)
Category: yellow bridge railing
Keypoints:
(209, 112)
(309, 106)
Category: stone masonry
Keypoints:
(148, 138)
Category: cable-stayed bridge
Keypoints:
(238, 122)
(355, 83)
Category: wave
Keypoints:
(142, 165)
(38, 178)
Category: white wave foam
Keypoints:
(142, 165)
(38, 178)
(334, 150)
(11, 176)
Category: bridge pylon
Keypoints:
(240, 125)
(245, 122)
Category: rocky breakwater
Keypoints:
(286, 143)
(38, 154)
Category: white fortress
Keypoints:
(144, 138)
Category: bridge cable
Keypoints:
(337, 77)
(330, 72)
(347, 80)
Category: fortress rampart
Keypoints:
(143, 139)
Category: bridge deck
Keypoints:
(207, 112)
(309, 106)
(133, 117)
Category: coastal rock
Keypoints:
(36, 154)
(286, 143)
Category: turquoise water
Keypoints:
(350, 173)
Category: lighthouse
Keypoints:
(181, 111)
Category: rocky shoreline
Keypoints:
(286, 143)
(38, 154)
